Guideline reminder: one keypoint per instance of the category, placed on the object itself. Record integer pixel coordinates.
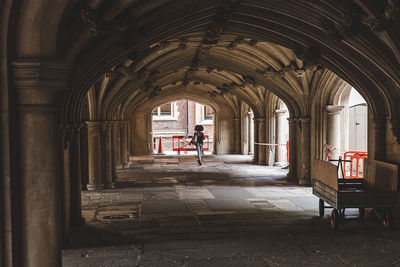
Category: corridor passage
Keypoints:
(225, 212)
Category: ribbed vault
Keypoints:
(232, 69)
(79, 79)
(224, 44)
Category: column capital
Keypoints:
(259, 119)
(66, 131)
(237, 119)
(280, 112)
(292, 121)
(379, 123)
(122, 123)
(40, 84)
(305, 120)
(94, 124)
(334, 109)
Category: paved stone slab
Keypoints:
(123, 256)
(194, 193)
(170, 206)
(229, 192)
(229, 204)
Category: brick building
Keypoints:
(179, 119)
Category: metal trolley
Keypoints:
(379, 191)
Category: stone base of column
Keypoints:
(250, 153)
(78, 221)
(291, 178)
(291, 175)
(109, 185)
(94, 186)
(126, 165)
(262, 162)
(118, 166)
(304, 182)
(280, 164)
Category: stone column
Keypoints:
(334, 129)
(292, 149)
(94, 154)
(256, 140)
(67, 134)
(108, 156)
(377, 139)
(237, 135)
(129, 138)
(305, 179)
(124, 145)
(76, 174)
(6, 202)
(39, 88)
(251, 133)
(261, 139)
(116, 144)
(280, 151)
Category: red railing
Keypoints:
(354, 168)
(182, 143)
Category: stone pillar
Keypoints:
(76, 174)
(237, 135)
(129, 139)
(292, 149)
(334, 129)
(39, 88)
(256, 140)
(67, 134)
(261, 139)
(251, 133)
(116, 144)
(108, 156)
(280, 151)
(377, 139)
(94, 154)
(124, 145)
(305, 178)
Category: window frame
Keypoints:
(160, 117)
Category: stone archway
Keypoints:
(262, 45)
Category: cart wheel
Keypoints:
(321, 208)
(341, 212)
(387, 219)
(335, 219)
(361, 213)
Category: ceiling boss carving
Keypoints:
(347, 26)
(92, 19)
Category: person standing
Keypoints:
(197, 140)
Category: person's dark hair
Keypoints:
(199, 128)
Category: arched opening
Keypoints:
(358, 122)
(173, 126)
(120, 58)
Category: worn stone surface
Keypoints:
(245, 215)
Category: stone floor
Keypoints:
(167, 211)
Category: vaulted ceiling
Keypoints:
(131, 51)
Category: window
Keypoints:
(204, 114)
(208, 113)
(163, 110)
(166, 112)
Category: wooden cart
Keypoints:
(378, 190)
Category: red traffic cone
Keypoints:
(160, 149)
